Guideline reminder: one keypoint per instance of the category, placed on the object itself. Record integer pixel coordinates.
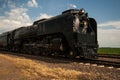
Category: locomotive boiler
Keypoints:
(70, 34)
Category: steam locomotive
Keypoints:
(70, 34)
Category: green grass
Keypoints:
(109, 51)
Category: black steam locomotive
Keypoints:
(70, 34)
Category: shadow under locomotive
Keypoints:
(70, 34)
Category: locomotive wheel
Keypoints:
(45, 52)
(29, 50)
(71, 55)
(36, 52)
(56, 54)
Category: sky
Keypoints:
(17, 13)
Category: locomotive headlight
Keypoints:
(85, 23)
(82, 11)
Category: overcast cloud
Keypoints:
(71, 6)
(15, 18)
(109, 37)
(43, 15)
(32, 3)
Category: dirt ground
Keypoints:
(8, 71)
(14, 67)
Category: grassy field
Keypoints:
(109, 51)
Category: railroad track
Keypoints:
(105, 63)
(98, 62)
(109, 56)
(84, 61)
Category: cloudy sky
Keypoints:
(16, 13)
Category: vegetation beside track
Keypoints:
(109, 51)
